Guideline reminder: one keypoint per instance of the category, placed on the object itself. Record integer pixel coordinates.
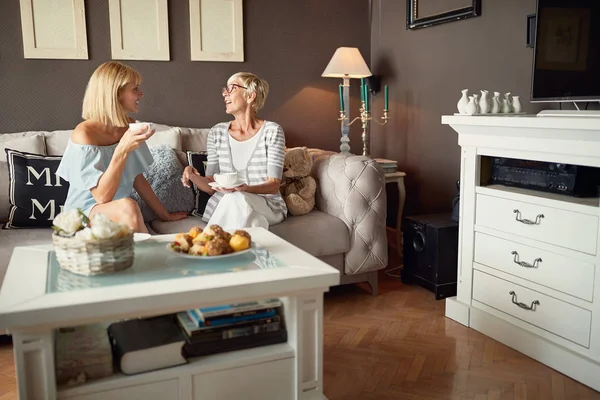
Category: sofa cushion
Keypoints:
(165, 135)
(20, 237)
(317, 233)
(164, 175)
(31, 144)
(183, 225)
(193, 138)
(197, 159)
(36, 192)
(56, 142)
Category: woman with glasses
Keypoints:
(250, 147)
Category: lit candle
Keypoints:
(366, 98)
(341, 98)
(386, 98)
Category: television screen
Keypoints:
(566, 65)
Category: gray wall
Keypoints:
(425, 70)
(288, 42)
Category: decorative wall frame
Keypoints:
(139, 29)
(471, 9)
(216, 30)
(54, 29)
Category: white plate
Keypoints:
(234, 185)
(140, 237)
(207, 258)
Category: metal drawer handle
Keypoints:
(523, 305)
(523, 263)
(538, 218)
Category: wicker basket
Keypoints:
(94, 257)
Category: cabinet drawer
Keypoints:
(564, 228)
(150, 391)
(555, 316)
(249, 382)
(549, 269)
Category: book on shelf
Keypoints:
(388, 166)
(196, 349)
(236, 329)
(147, 344)
(200, 321)
(228, 309)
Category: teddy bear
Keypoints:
(297, 186)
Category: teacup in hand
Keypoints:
(140, 127)
(226, 179)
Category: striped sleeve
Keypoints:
(212, 158)
(275, 153)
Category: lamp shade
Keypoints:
(347, 62)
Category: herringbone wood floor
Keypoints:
(399, 345)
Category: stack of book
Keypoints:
(389, 166)
(232, 327)
(147, 344)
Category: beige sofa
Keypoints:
(346, 229)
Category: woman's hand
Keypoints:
(188, 172)
(241, 188)
(132, 139)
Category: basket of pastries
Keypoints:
(211, 241)
(91, 247)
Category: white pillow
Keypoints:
(164, 135)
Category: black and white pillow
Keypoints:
(35, 192)
(197, 159)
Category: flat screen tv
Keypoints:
(566, 64)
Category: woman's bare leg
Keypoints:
(124, 211)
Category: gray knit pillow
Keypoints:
(164, 175)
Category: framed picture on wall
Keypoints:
(216, 30)
(426, 13)
(139, 29)
(54, 29)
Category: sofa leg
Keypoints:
(372, 279)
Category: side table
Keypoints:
(398, 178)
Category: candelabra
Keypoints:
(365, 116)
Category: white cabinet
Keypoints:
(527, 259)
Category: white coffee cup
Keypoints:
(226, 179)
(139, 127)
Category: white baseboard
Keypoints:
(457, 311)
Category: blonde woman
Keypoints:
(250, 147)
(104, 159)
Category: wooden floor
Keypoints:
(399, 345)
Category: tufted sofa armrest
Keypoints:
(352, 188)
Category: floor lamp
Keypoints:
(346, 63)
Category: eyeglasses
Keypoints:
(231, 87)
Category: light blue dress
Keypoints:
(82, 166)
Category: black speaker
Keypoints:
(431, 253)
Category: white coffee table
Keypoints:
(38, 297)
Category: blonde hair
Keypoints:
(101, 100)
(253, 84)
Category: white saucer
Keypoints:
(233, 185)
(140, 237)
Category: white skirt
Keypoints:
(240, 210)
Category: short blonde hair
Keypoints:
(255, 84)
(101, 100)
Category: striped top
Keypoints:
(265, 162)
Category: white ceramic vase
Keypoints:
(462, 103)
(484, 103)
(471, 107)
(506, 107)
(516, 105)
(495, 109)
